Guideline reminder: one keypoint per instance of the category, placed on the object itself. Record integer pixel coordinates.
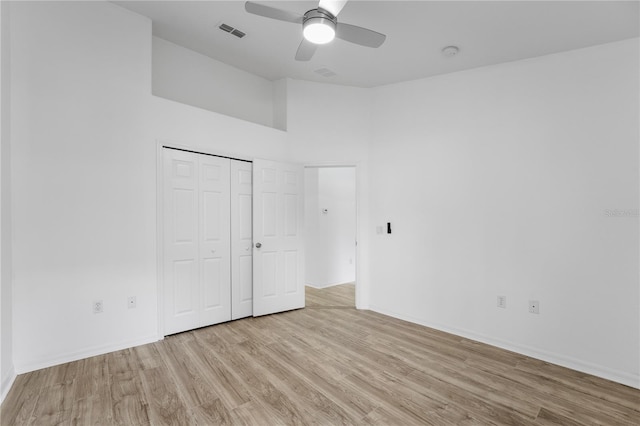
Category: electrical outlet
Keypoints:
(97, 306)
(131, 302)
(502, 302)
(534, 306)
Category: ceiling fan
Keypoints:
(319, 26)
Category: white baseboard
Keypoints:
(622, 377)
(6, 384)
(26, 367)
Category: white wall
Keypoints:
(334, 129)
(189, 77)
(85, 137)
(84, 200)
(497, 181)
(175, 124)
(7, 372)
(280, 104)
(330, 237)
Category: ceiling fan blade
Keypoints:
(272, 12)
(332, 6)
(305, 50)
(359, 35)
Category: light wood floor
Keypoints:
(319, 365)
(339, 296)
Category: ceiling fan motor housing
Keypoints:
(319, 13)
(319, 23)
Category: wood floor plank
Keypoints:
(165, 405)
(476, 403)
(127, 394)
(389, 398)
(93, 378)
(560, 399)
(195, 388)
(316, 372)
(19, 404)
(130, 410)
(211, 413)
(295, 386)
(262, 385)
(548, 417)
(255, 413)
(92, 410)
(54, 405)
(328, 364)
(231, 391)
(64, 373)
(148, 356)
(92, 393)
(334, 297)
(566, 378)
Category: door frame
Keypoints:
(360, 293)
(160, 145)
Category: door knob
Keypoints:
(258, 245)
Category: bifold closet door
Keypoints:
(196, 216)
(215, 239)
(241, 240)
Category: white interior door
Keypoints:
(278, 251)
(241, 240)
(181, 292)
(215, 239)
(196, 258)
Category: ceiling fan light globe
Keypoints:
(319, 30)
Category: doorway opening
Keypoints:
(330, 236)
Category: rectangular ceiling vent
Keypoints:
(229, 29)
(325, 72)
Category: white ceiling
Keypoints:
(487, 32)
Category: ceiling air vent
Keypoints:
(229, 29)
(325, 72)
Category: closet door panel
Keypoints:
(278, 221)
(180, 233)
(241, 239)
(214, 239)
